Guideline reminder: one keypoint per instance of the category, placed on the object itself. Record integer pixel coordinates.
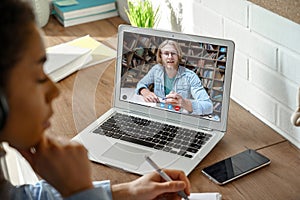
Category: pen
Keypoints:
(164, 175)
(165, 98)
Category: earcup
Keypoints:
(3, 109)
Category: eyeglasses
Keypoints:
(167, 53)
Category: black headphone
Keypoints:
(3, 109)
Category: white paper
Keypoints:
(100, 52)
(205, 196)
(70, 68)
(67, 58)
(61, 55)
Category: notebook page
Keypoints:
(205, 196)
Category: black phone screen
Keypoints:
(233, 167)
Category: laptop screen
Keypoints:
(177, 73)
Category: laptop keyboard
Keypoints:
(161, 136)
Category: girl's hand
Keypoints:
(63, 164)
(152, 186)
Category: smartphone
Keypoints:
(235, 166)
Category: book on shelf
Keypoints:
(146, 68)
(210, 55)
(133, 44)
(153, 48)
(86, 19)
(221, 78)
(139, 51)
(67, 58)
(208, 74)
(218, 106)
(208, 47)
(132, 73)
(201, 63)
(124, 61)
(136, 62)
(82, 8)
(219, 75)
(223, 49)
(221, 67)
(191, 62)
(222, 57)
(207, 83)
(190, 52)
(217, 97)
(209, 65)
(145, 41)
(219, 88)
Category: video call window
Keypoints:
(208, 61)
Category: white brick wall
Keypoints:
(247, 42)
(289, 64)
(274, 27)
(235, 10)
(241, 65)
(266, 73)
(204, 21)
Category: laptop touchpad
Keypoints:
(131, 156)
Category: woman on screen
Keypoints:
(175, 84)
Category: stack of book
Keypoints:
(83, 11)
(67, 58)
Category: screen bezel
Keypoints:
(191, 120)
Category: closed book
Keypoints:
(67, 58)
(84, 8)
(85, 19)
(100, 52)
(64, 59)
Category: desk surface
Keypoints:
(87, 94)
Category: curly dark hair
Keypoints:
(16, 16)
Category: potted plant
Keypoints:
(141, 13)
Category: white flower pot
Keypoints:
(42, 11)
(121, 5)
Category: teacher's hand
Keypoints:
(149, 96)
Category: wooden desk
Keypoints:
(87, 94)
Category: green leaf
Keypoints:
(141, 13)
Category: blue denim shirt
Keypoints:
(186, 83)
(43, 191)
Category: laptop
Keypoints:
(171, 136)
